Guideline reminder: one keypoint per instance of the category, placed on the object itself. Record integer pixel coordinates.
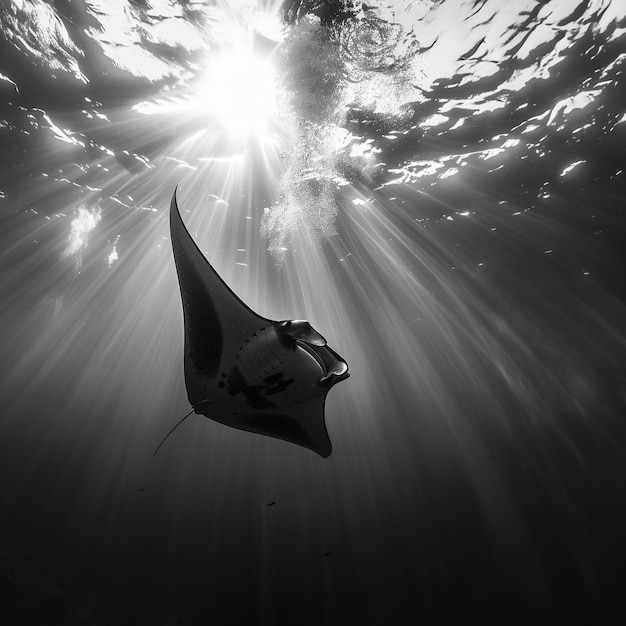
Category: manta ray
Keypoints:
(243, 370)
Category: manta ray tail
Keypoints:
(171, 431)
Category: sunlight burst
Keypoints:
(239, 91)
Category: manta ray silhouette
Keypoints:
(246, 371)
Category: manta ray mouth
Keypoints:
(333, 366)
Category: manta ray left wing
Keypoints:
(244, 370)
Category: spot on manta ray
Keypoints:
(246, 371)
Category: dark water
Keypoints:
(438, 187)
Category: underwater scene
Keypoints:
(211, 212)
